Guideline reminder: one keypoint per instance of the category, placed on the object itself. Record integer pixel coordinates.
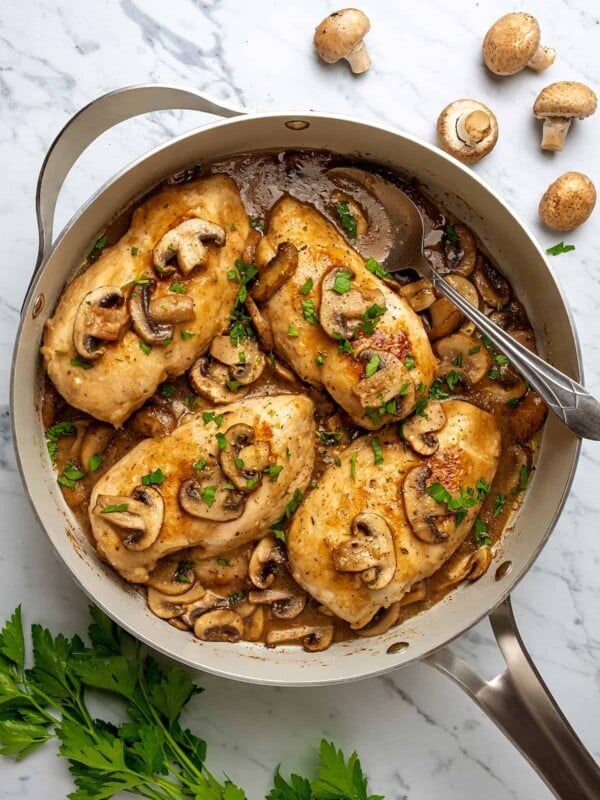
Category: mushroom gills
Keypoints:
(141, 515)
(210, 498)
(419, 431)
(370, 551)
(186, 241)
(244, 459)
(422, 511)
(102, 316)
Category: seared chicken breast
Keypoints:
(151, 303)
(218, 481)
(332, 317)
(370, 531)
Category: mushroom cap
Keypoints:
(568, 202)
(565, 99)
(448, 134)
(510, 43)
(339, 33)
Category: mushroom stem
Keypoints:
(473, 128)
(542, 58)
(359, 59)
(554, 133)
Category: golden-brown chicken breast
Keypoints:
(370, 531)
(151, 303)
(215, 483)
(335, 323)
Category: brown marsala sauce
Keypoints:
(262, 178)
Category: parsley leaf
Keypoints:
(559, 248)
(377, 450)
(348, 221)
(307, 286)
(56, 432)
(480, 531)
(309, 311)
(372, 365)
(377, 269)
(81, 363)
(178, 288)
(153, 478)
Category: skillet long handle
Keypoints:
(94, 119)
(521, 705)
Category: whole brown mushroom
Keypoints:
(513, 43)
(340, 35)
(558, 105)
(568, 202)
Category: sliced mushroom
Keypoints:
(94, 442)
(153, 420)
(420, 294)
(173, 576)
(286, 603)
(209, 378)
(470, 567)
(279, 270)
(249, 251)
(508, 386)
(147, 328)
(102, 316)
(340, 314)
(245, 360)
(463, 354)
(177, 622)
(422, 510)
(219, 626)
(314, 638)
(419, 430)
(370, 551)
(528, 417)
(261, 326)
(140, 515)
(380, 623)
(255, 625)
(186, 241)
(210, 498)
(172, 308)
(208, 602)
(464, 287)
(168, 606)
(390, 381)
(417, 594)
(493, 288)
(244, 459)
(266, 559)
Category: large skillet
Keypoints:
(517, 700)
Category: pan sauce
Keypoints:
(262, 179)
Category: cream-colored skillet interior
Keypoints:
(324, 464)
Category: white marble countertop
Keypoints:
(418, 736)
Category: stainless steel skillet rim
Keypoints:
(407, 658)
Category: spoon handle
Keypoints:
(570, 401)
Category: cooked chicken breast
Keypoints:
(322, 533)
(129, 369)
(224, 483)
(312, 343)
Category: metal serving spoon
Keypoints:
(401, 247)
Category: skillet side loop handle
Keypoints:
(94, 119)
(520, 704)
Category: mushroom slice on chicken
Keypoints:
(102, 316)
(198, 495)
(243, 459)
(465, 355)
(244, 359)
(138, 517)
(422, 510)
(370, 551)
(419, 430)
(279, 269)
(343, 305)
(387, 384)
(186, 241)
(153, 319)
(469, 449)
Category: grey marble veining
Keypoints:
(418, 736)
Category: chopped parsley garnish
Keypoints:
(288, 454)
(241, 327)
(457, 360)
(135, 251)
(452, 379)
(222, 562)
(409, 361)
(337, 461)
(346, 218)
(273, 471)
(450, 234)
(166, 342)
(483, 489)
(369, 319)
(221, 440)
(474, 350)
(374, 415)
(239, 462)
(200, 464)
(513, 402)
(309, 311)
(467, 498)
(115, 509)
(178, 288)
(343, 282)
(153, 478)
(186, 335)
(209, 416)
(523, 477)
(436, 392)
(494, 374)
(377, 450)
(329, 437)
(353, 466)
(141, 280)
(145, 348)
(481, 533)
(372, 365)
(307, 286)
(487, 343)
(101, 243)
(499, 503)
(233, 227)
(292, 331)
(233, 386)
(167, 390)
(236, 597)
(501, 360)
(258, 225)
(71, 474)
(79, 362)
(95, 462)
(377, 269)
(420, 406)
(319, 360)
(208, 495)
(344, 345)
(293, 504)
(251, 483)
(559, 248)
(55, 432)
(278, 534)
